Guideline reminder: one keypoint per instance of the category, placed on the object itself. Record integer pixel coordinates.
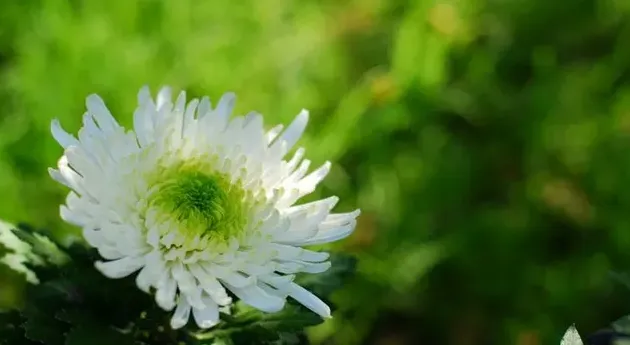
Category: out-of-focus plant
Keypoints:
(486, 141)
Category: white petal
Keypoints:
(208, 316)
(257, 298)
(71, 177)
(120, 268)
(72, 217)
(145, 279)
(56, 175)
(181, 315)
(97, 108)
(225, 106)
(142, 122)
(308, 184)
(331, 235)
(187, 285)
(110, 252)
(272, 134)
(204, 107)
(189, 117)
(225, 274)
(210, 285)
(314, 267)
(296, 159)
(163, 97)
(278, 281)
(166, 290)
(144, 95)
(309, 300)
(61, 136)
(295, 130)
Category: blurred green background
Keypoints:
(487, 142)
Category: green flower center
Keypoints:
(195, 196)
(201, 202)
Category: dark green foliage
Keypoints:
(76, 305)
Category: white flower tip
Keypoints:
(226, 104)
(164, 303)
(163, 96)
(332, 202)
(309, 300)
(96, 107)
(54, 124)
(54, 173)
(223, 300)
(165, 90)
(207, 324)
(60, 135)
(324, 312)
(571, 337)
(144, 94)
(103, 268)
(228, 97)
(144, 287)
(118, 268)
(303, 115)
(295, 130)
(177, 323)
(92, 100)
(206, 317)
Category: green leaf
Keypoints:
(219, 341)
(41, 245)
(93, 334)
(11, 331)
(291, 318)
(288, 339)
(17, 254)
(250, 323)
(44, 329)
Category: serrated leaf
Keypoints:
(44, 329)
(41, 244)
(11, 331)
(571, 337)
(17, 254)
(73, 316)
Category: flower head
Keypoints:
(199, 203)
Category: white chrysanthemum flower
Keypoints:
(198, 203)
